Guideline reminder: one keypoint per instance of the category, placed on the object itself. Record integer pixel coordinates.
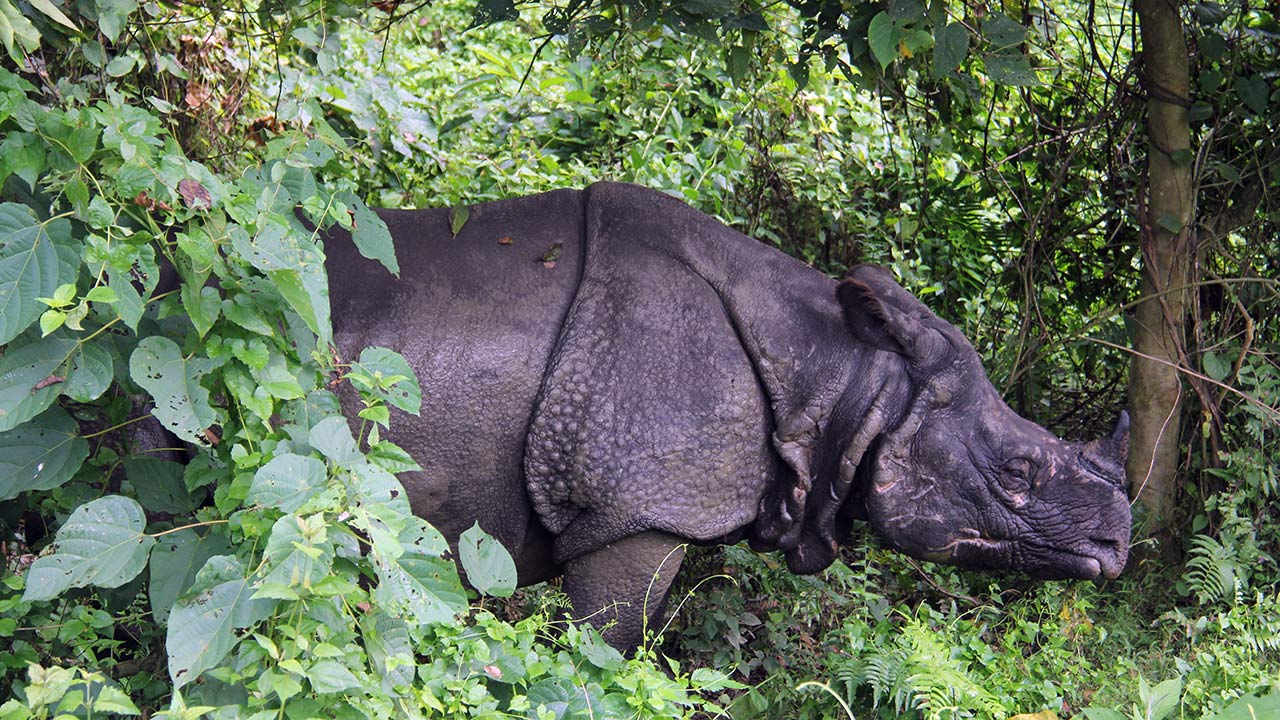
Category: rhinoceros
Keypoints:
(609, 375)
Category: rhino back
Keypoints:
(476, 316)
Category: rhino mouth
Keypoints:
(1101, 558)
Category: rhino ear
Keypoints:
(883, 315)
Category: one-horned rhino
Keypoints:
(609, 374)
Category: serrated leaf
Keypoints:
(28, 385)
(181, 403)
(488, 565)
(372, 238)
(950, 48)
(29, 269)
(287, 482)
(175, 560)
(381, 362)
(203, 624)
(40, 455)
(102, 544)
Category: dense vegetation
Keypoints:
(995, 168)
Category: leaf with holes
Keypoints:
(175, 560)
(950, 48)
(287, 482)
(420, 584)
(296, 268)
(29, 379)
(40, 455)
(182, 404)
(102, 544)
(203, 624)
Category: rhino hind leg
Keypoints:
(623, 586)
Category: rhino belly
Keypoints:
(476, 315)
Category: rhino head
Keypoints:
(960, 478)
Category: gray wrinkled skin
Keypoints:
(670, 380)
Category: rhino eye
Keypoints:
(1016, 475)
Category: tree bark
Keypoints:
(1155, 387)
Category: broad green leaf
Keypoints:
(950, 48)
(489, 566)
(29, 382)
(332, 437)
(92, 370)
(41, 454)
(299, 556)
(390, 648)
(1171, 223)
(203, 624)
(54, 13)
(1254, 92)
(287, 482)
(1251, 707)
(29, 269)
(372, 238)
(296, 268)
(906, 10)
(175, 560)
(102, 544)
(1010, 69)
(383, 363)
(202, 305)
(330, 676)
(458, 216)
(158, 484)
(1162, 700)
(1002, 32)
(182, 404)
(882, 36)
(420, 585)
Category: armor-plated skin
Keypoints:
(667, 379)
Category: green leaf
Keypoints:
(1010, 69)
(101, 544)
(29, 269)
(40, 455)
(1171, 223)
(1251, 707)
(372, 238)
(182, 404)
(1215, 366)
(950, 48)
(1002, 32)
(1162, 700)
(298, 559)
(296, 268)
(331, 676)
(380, 362)
(28, 385)
(1102, 714)
(54, 13)
(203, 624)
(882, 35)
(420, 584)
(175, 560)
(390, 648)
(91, 373)
(458, 215)
(158, 484)
(489, 566)
(202, 305)
(1254, 92)
(332, 437)
(287, 482)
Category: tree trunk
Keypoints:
(1155, 388)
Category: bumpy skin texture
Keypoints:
(670, 380)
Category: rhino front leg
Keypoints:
(625, 583)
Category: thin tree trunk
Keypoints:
(1155, 388)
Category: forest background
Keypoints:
(997, 157)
